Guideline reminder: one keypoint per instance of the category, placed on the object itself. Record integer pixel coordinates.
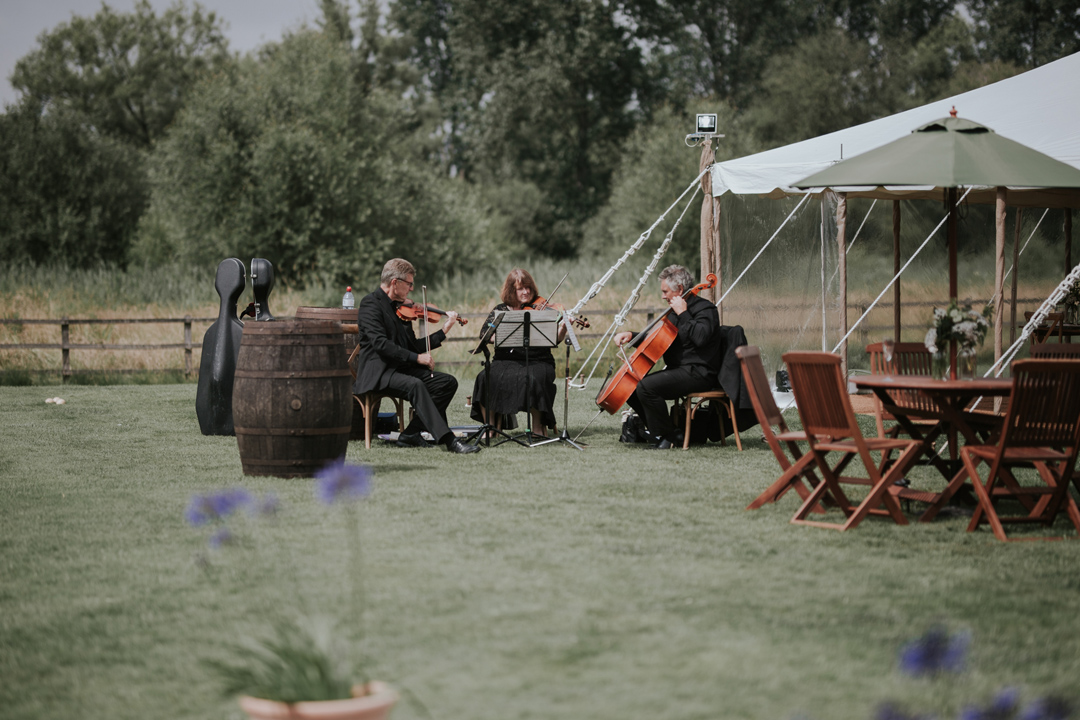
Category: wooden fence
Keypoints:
(65, 346)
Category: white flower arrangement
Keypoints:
(962, 324)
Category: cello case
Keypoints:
(220, 348)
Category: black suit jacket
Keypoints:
(386, 341)
(698, 342)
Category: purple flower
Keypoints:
(222, 536)
(266, 505)
(935, 652)
(338, 481)
(1002, 707)
(205, 509)
(890, 711)
(1047, 708)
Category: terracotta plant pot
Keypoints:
(375, 705)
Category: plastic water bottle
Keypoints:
(347, 300)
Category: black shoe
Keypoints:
(460, 448)
(664, 444)
(412, 440)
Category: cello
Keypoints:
(658, 337)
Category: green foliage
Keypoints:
(1026, 34)
(286, 159)
(68, 195)
(123, 74)
(296, 663)
(536, 93)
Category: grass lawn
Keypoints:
(515, 583)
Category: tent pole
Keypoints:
(896, 268)
(709, 260)
(999, 269)
(1068, 240)
(841, 242)
(1015, 273)
(821, 234)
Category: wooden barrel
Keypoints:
(347, 318)
(292, 397)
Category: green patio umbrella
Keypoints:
(951, 153)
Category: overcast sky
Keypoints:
(248, 24)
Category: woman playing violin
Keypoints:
(691, 363)
(512, 389)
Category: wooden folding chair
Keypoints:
(370, 402)
(798, 474)
(1042, 428)
(1054, 326)
(1055, 351)
(829, 423)
(693, 403)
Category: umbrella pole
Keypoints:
(999, 270)
(950, 195)
(896, 268)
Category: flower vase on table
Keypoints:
(966, 364)
(941, 366)
(963, 326)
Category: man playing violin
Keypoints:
(395, 362)
(691, 363)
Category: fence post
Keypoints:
(65, 350)
(187, 345)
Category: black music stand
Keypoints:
(527, 329)
(487, 429)
(564, 436)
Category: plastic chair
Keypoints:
(798, 474)
(829, 423)
(1042, 428)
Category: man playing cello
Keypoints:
(394, 361)
(691, 363)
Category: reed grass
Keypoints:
(778, 303)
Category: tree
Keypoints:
(289, 158)
(68, 196)
(125, 74)
(1026, 34)
(533, 93)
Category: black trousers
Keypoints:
(650, 398)
(429, 394)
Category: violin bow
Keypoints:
(427, 335)
(557, 288)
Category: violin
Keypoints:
(541, 304)
(409, 311)
(658, 337)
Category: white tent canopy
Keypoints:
(1039, 108)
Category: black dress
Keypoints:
(512, 389)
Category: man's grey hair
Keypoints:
(396, 269)
(677, 275)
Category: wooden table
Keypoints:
(951, 398)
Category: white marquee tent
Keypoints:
(1039, 109)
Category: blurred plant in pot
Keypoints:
(304, 658)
